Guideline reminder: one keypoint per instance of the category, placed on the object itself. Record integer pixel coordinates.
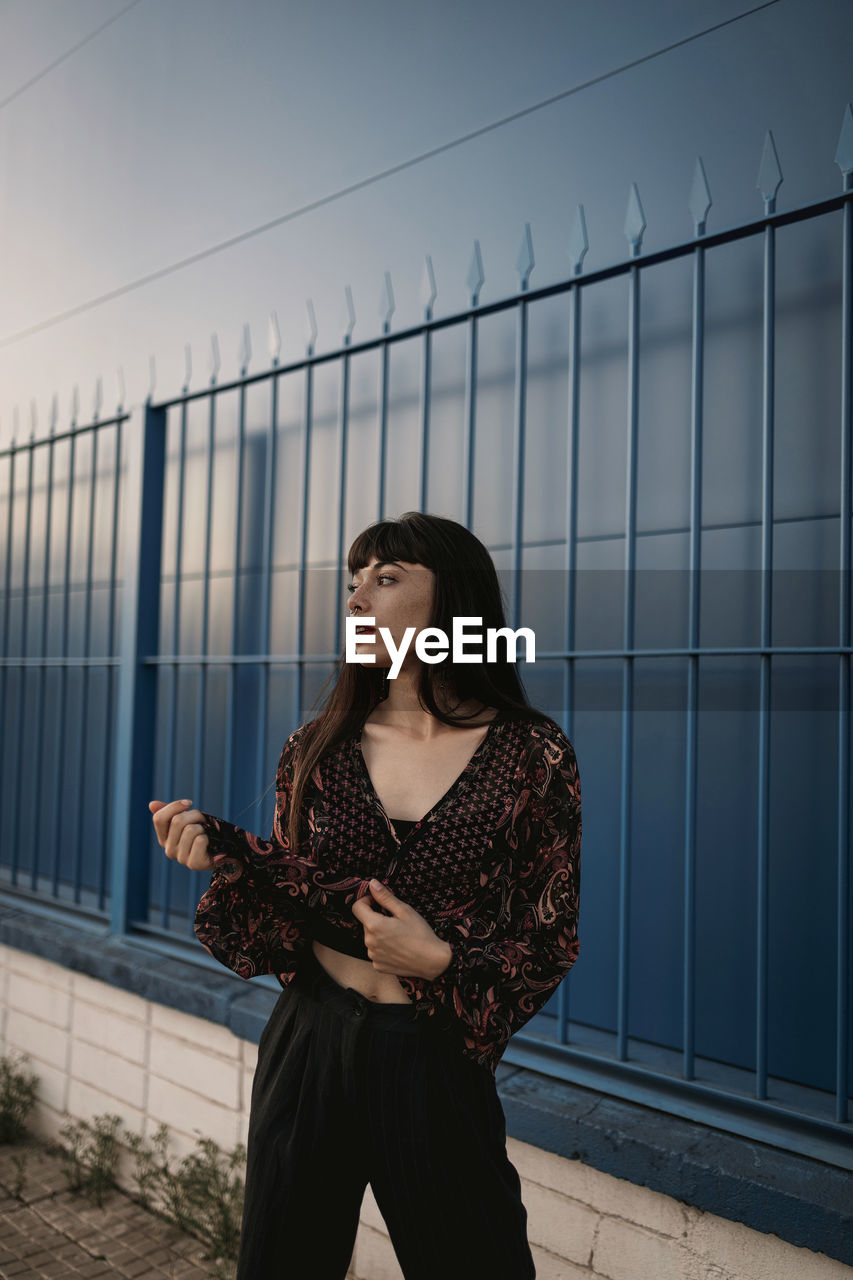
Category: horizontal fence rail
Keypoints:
(203, 670)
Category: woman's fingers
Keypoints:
(162, 818)
(181, 834)
(192, 844)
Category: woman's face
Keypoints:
(398, 594)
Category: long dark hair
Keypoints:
(466, 585)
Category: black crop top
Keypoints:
(339, 939)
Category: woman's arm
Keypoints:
(501, 972)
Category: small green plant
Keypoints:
(203, 1195)
(20, 1163)
(91, 1159)
(17, 1096)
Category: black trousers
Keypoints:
(349, 1091)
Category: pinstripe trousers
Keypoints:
(349, 1091)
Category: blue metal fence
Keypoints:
(57, 695)
(691, 956)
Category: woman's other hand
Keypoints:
(181, 834)
(402, 943)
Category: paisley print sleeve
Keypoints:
(252, 917)
(509, 958)
(237, 853)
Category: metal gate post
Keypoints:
(137, 700)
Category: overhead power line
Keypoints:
(222, 245)
(39, 75)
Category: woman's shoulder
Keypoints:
(301, 733)
(544, 755)
(542, 733)
(300, 739)
(290, 750)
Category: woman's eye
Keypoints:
(351, 586)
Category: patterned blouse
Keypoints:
(493, 867)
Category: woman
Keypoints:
(418, 902)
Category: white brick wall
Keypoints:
(98, 1049)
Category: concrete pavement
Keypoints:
(48, 1231)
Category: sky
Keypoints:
(173, 170)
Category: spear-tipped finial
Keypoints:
(769, 174)
(54, 414)
(99, 396)
(476, 278)
(386, 304)
(578, 241)
(525, 261)
(700, 197)
(244, 355)
(121, 388)
(33, 420)
(273, 338)
(312, 327)
(215, 364)
(152, 378)
(188, 366)
(635, 221)
(844, 152)
(350, 315)
(75, 404)
(428, 289)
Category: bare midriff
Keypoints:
(409, 776)
(349, 971)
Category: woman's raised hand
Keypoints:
(181, 834)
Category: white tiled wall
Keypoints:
(97, 1049)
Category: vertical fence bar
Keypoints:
(627, 660)
(383, 436)
(697, 376)
(307, 423)
(571, 527)
(43, 646)
(267, 551)
(109, 771)
(82, 753)
(170, 783)
(339, 606)
(518, 452)
(7, 613)
(470, 422)
(426, 406)
(18, 742)
(204, 647)
(426, 389)
(571, 537)
(842, 944)
(137, 703)
(59, 807)
(230, 745)
(763, 842)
